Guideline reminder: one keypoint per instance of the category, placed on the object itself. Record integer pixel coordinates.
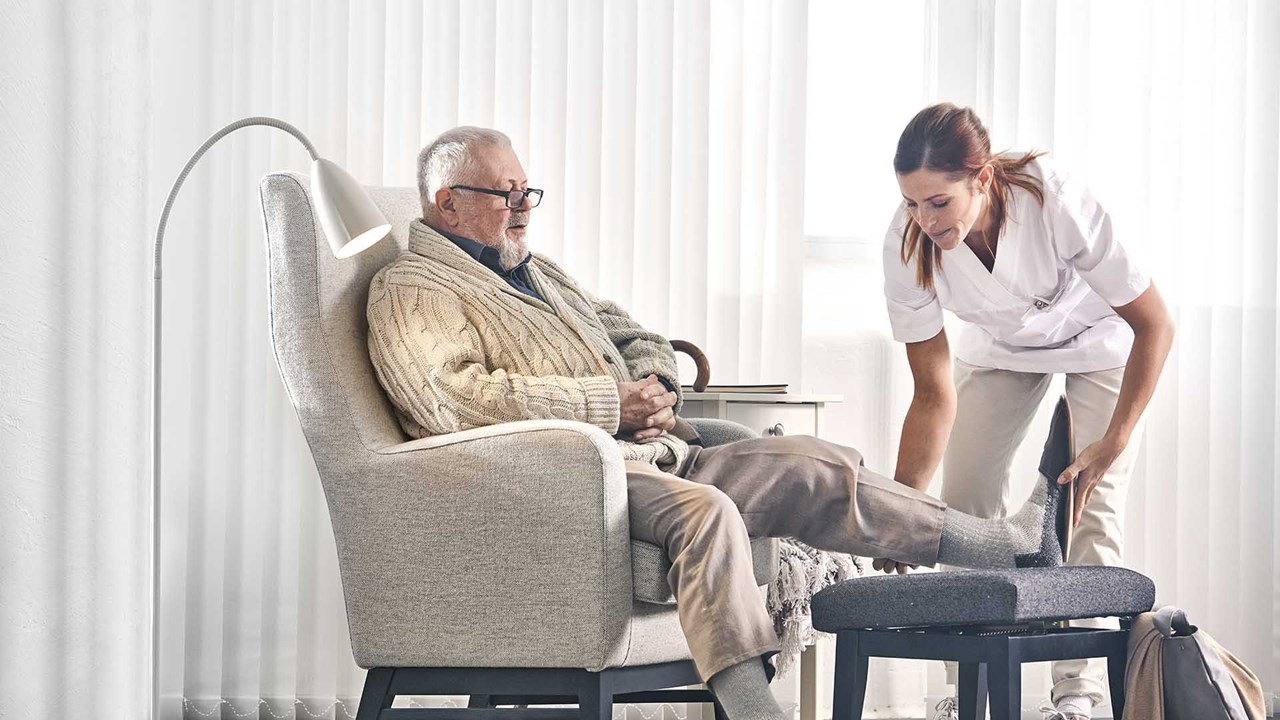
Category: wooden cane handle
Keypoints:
(699, 359)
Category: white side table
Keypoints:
(779, 414)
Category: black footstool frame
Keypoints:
(990, 661)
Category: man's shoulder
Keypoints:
(409, 270)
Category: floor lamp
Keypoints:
(350, 221)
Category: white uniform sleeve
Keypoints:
(914, 312)
(1083, 238)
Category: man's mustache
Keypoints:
(518, 219)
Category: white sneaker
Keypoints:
(946, 709)
(1068, 707)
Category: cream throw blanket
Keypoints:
(803, 572)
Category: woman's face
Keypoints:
(947, 210)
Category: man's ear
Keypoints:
(444, 203)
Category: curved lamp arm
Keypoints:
(351, 223)
(195, 157)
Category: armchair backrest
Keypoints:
(318, 325)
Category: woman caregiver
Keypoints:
(1023, 255)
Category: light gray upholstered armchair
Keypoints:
(464, 571)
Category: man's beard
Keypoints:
(512, 251)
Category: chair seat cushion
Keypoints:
(981, 597)
(649, 567)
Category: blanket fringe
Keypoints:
(803, 571)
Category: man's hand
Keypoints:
(889, 567)
(645, 408)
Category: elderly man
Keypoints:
(469, 329)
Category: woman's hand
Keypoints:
(1088, 468)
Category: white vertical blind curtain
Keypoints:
(669, 139)
(1170, 112)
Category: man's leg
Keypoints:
(820, 493)
(1099, 538)
(721, 611)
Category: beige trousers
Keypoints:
(994, 410)
(818, 492)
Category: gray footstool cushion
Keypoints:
(981, 597)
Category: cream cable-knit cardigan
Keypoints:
(456, 347)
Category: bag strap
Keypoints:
(1172, 622)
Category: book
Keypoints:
(782, 388)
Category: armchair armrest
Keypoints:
(501, 546)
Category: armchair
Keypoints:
(495, 562)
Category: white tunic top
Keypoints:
(1046, 306)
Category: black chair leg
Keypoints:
(972, 691)
(376, 696)
(595, 698)
(850, 678)
(1117, 661)
(479, 701)
(1004, 681)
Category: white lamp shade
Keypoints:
(350, 219)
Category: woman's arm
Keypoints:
(933, 409)
(1153, 331)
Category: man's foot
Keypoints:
(1059, 453)
(946, 709)
(1033, 537)
(743, 692)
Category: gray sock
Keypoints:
(1026, 539)
(743, 692)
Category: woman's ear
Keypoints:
(985, 176)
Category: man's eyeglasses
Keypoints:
(515, 198)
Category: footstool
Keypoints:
(988, 621)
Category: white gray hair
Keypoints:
(449, 160)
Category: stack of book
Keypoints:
(740, 388)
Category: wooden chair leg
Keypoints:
(595, 697)
(1004, 682)
(376, 696)
(850, 686)
(972, 691)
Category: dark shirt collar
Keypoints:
(485, 255)
(517, 277)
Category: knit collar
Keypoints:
(488, 256)
(428, 242)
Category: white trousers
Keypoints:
(994, 410)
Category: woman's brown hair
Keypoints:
(951, 139)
